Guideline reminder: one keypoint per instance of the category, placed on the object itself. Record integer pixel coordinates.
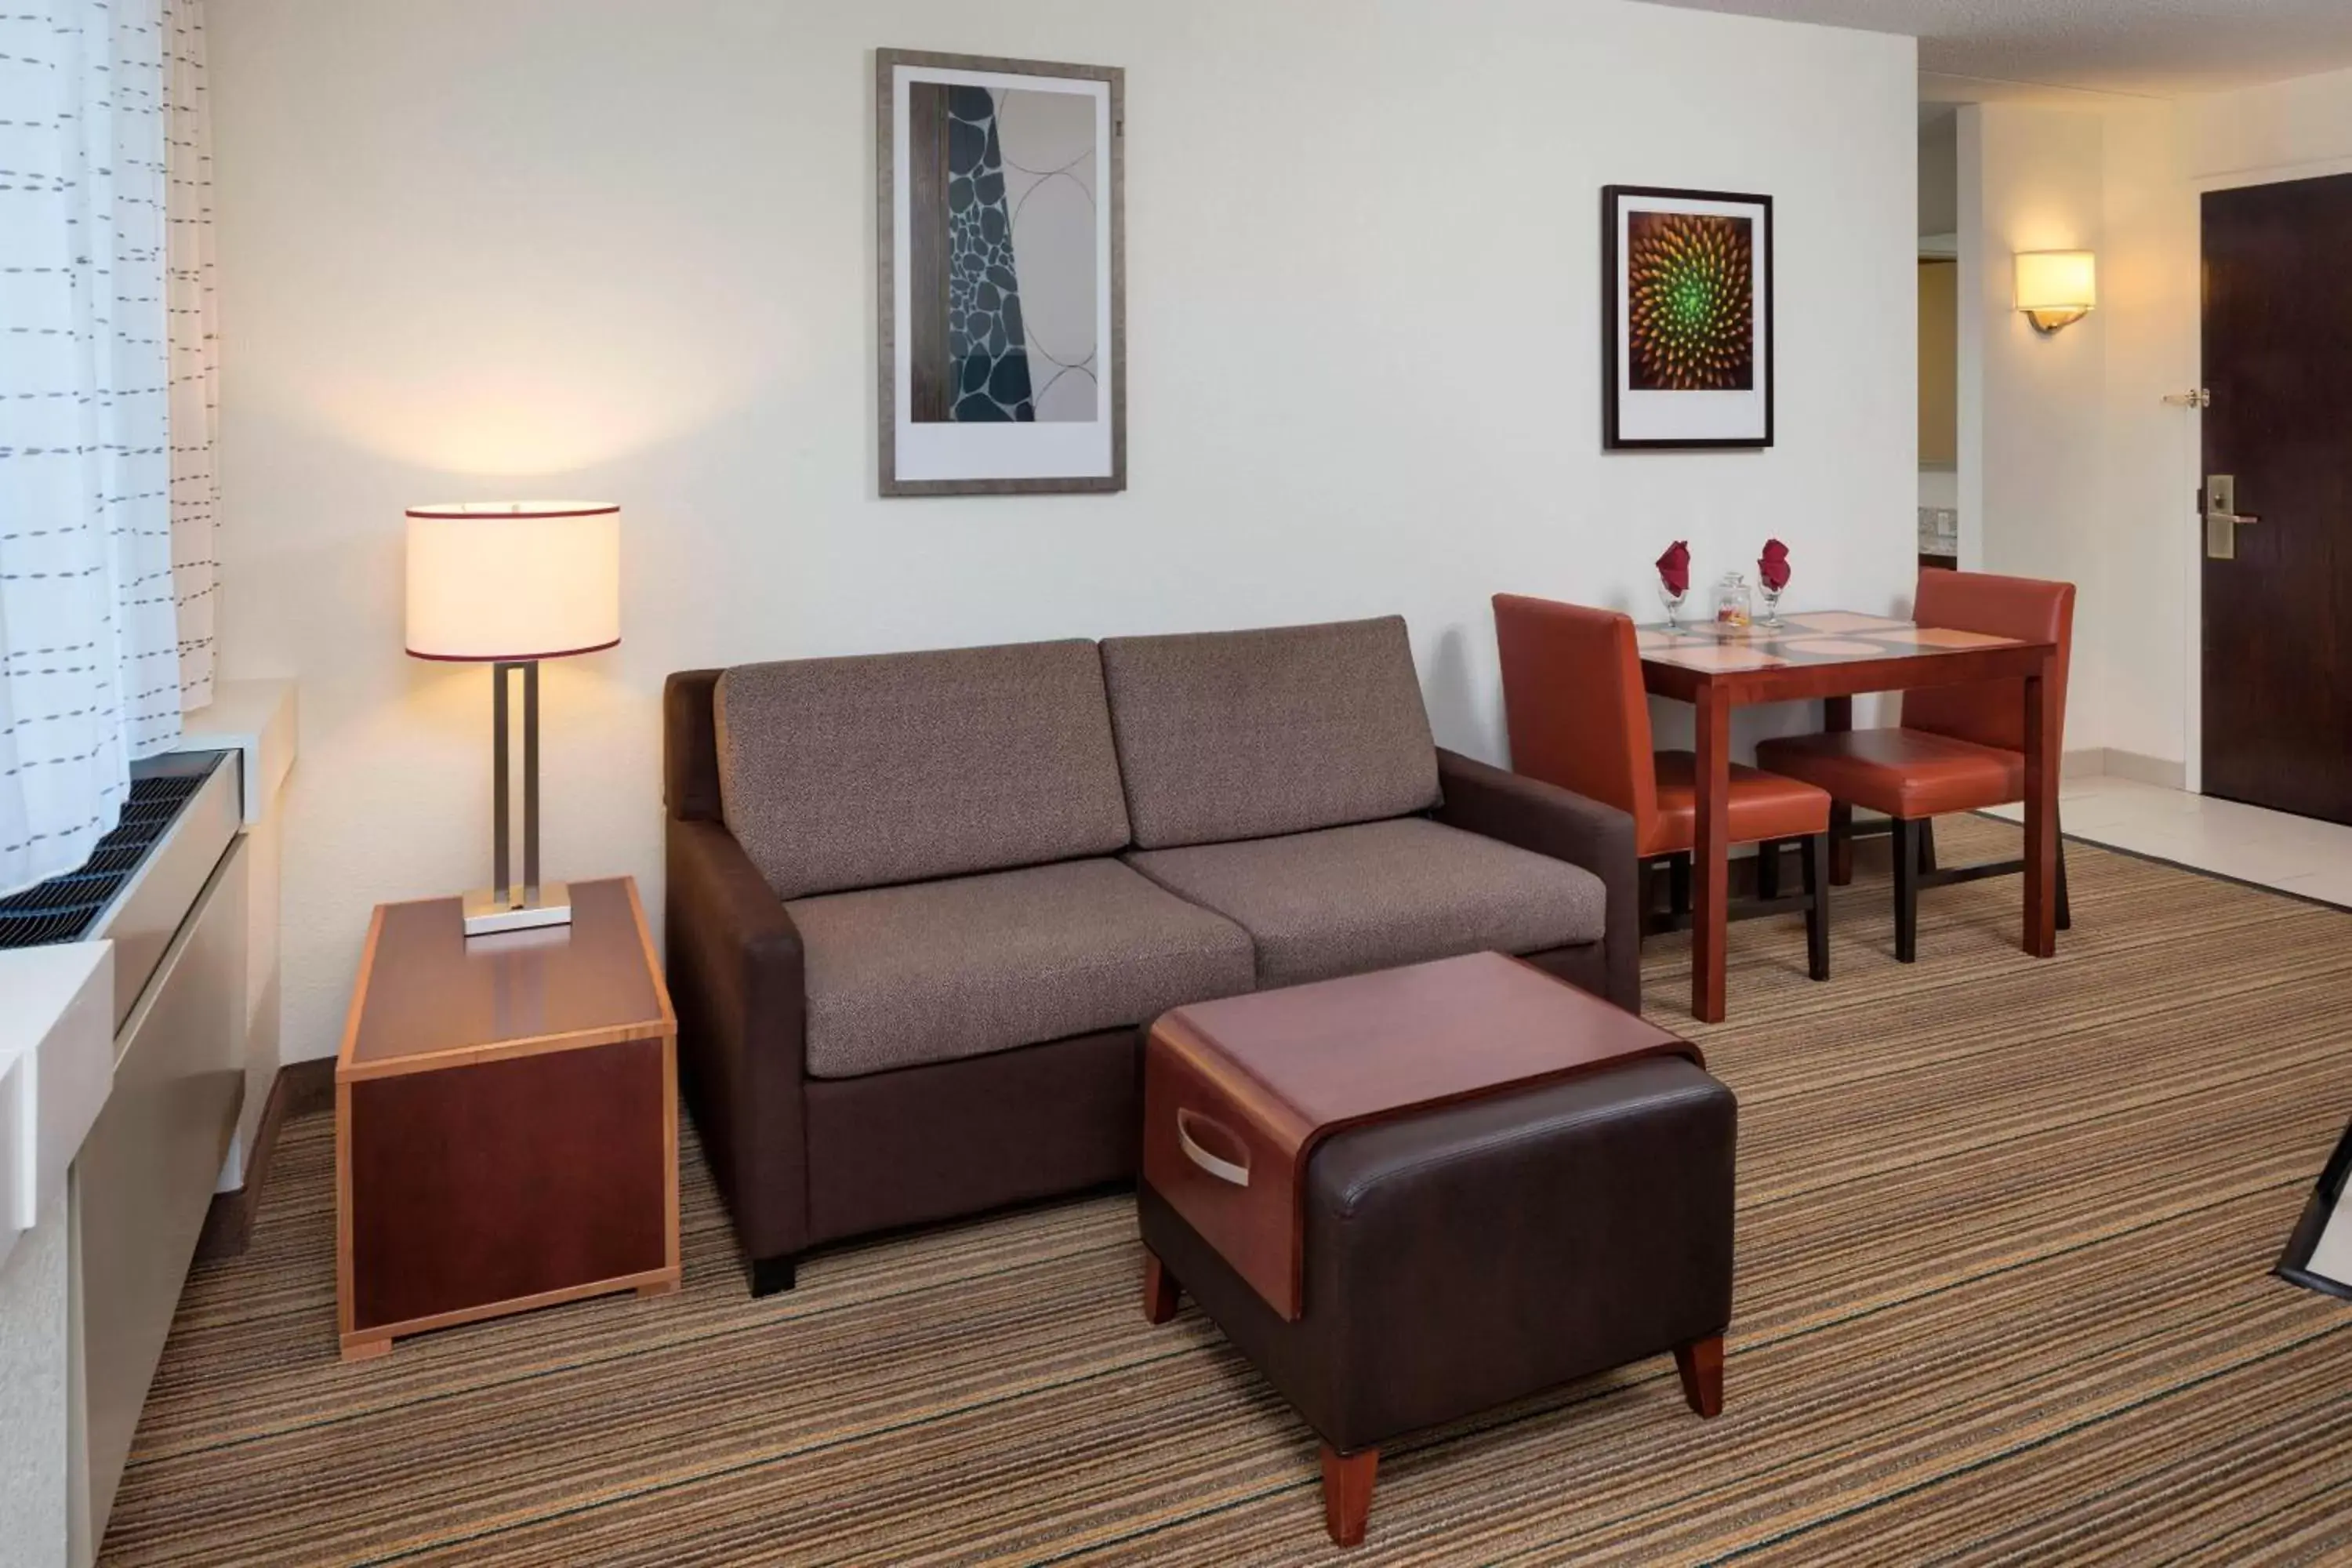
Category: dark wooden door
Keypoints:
(2278, 618)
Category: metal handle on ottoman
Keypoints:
(1223, 1170)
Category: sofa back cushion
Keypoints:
(1226, 735)
(856, 772)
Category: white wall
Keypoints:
(1939, 177)
(2289, 130)
(2147, 542)
(2032, 406)
(474, 250)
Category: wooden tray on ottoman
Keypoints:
(1237, 1093)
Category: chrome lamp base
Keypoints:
(489, 910)
(511, 903)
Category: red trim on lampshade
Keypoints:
(478, 513)
(511, 657)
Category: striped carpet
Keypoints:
(2005, 1231)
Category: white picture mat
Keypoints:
(2331, 1257)
(1050, 450)
(1692, 416)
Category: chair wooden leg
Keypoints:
(1347, 1493)
(1701, 1364)
(1817, 905)
(1160, 1290)
(1767, 868)
(1841, 843)
(1927, 844)
(1906, 835)
(1678, 885)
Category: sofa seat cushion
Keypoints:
(933, 971)
(1342, 901)
(1226, 735)
(899, 767)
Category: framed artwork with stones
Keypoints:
(1002, 262)
(1686, 318)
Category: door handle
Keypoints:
(2222, 518)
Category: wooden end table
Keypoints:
(506, 1119)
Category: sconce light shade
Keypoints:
(2056, 288)
(513, 580)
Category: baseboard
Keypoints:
(299, 1089)
(2143, 769)
(2109, 762)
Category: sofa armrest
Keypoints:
(1532, 815)
(737, 981)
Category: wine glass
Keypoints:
(1773, 605)
(1672, 599)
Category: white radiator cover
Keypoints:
(143, 1181)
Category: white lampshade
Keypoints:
(2057, 281)
(513, 580)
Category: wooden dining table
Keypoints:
(1835, 656)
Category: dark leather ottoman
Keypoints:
(1469, 1254)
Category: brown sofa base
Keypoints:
(947, 1141)
(927, 1143)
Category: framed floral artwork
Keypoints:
(1686, 327)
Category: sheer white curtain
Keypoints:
(89, 646)
(194, 342)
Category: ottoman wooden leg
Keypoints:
(1160, 1290)
(1347, 1493)
(1701, 1364)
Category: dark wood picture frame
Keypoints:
(885, 62)
(1612, 437)
(2335, 1186)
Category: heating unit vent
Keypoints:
(63, 908)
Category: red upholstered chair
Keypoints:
(1959, 748)
(1579, 717)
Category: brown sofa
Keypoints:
(919, 904)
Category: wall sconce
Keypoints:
(2056, 288)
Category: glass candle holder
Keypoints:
(1733, 606)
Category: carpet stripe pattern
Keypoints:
(2003, 1295)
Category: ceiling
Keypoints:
(2154, 47)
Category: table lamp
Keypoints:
(508, 583)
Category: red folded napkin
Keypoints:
(1772, 566)
(1674, 567)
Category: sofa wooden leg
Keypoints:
(1701, 1364)
(1160, 1290)
(1347, 1493)
(770, 1275)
